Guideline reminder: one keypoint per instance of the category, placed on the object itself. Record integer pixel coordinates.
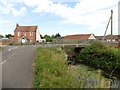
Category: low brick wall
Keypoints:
(6, 41)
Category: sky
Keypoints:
(66, 17)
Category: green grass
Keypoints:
(51, 71)
(116, 51)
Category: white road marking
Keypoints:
(3, 62)
(12, 48)
(9, 49)
(8, 58)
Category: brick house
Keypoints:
(26, 34)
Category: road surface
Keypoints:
(0, 70)
(17, 66)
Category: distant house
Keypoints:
(26, 34)
(107, 38)
(77, 38)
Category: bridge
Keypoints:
(72, 45)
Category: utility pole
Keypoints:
(111, 19)
(111, 24)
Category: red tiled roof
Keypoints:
(26, 28)
(77, 37)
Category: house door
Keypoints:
(23, 41)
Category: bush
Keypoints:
(100, 56)
(11, 44)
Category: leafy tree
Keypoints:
(41, 36)
(53, 36)
(9, 35)
(1, 36)
(57, 35)
(48, 38)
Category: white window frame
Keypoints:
(24, 33)
(18, 33)
(31, 33)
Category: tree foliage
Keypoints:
(50, 38)
(9, 35)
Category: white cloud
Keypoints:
(7, 7)
(3, 21)
(91, 13)
(18, 12)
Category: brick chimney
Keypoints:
(17, 25)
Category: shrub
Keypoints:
(100, 56)
(11, 44)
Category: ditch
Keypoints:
(113, 81)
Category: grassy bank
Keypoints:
(52, 71)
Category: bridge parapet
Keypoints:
(72, 45)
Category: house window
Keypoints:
(24, 33)
(30, 33)
(18, 33)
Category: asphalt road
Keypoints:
(17, 66)
(0, 70)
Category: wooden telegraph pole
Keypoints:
(111, 24)
(111, 19)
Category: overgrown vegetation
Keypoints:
(52, 71)
(100, 56)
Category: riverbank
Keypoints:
(52, 71)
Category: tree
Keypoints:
(57, 35)
(48, 38)
(1, 36)
(9, 35)
(41, 36)
(53, 36)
